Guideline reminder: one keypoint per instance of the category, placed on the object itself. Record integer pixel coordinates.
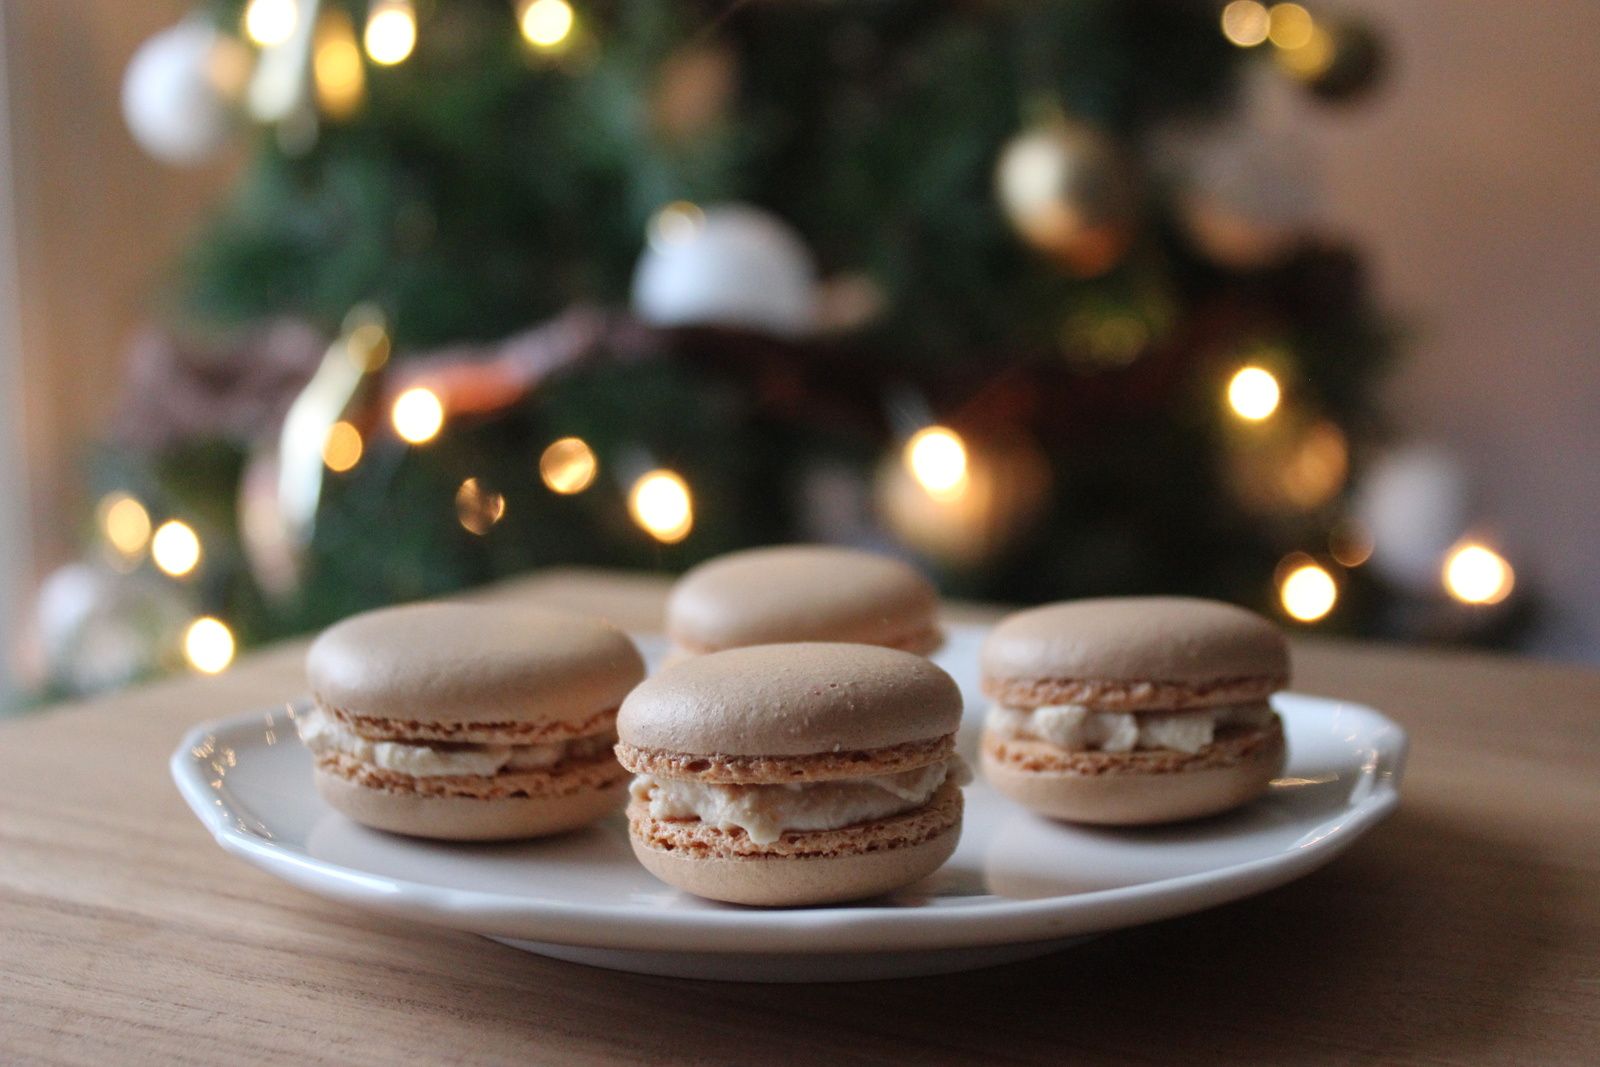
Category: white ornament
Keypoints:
(729, 265)
(1415, 503)
(98, 629)
(177, 92)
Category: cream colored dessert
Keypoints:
(767, 812)
(468, 722)
(793, 773)
(1133, 710)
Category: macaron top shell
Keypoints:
(1136, 639)
(800, 593)
(791, 700)
(472, 663)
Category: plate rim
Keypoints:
(733, 929)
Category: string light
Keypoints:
(1253, 393)
(336, 70)
(391, 32)
(677, 222)
(343, 447)
(175, 548)
(1245, 23)
(418, 415)
(1289, 25)
(269, 23)
(477, 508)
(208, 645)
(568, 466)
(660, 504)
(1477, 574)
(937, 458)
(1308, 592)
(1310, 60)
(546, 23)
(124, 523)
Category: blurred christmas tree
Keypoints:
(1016, 287)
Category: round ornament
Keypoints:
(178, 91)
(1415, 503)
(98, 629)
(1069, 191)
(1247, 199)
(727, 265)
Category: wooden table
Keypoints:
(1467, 929)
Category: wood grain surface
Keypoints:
(1465, 930)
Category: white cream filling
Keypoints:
(1077, 728)
(766, 811)
(325, 735)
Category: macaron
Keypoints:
(794, 774)
(788, 593)
(1134, 710)
(468, 722)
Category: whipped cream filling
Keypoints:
(325, 735)
(766, 811)
(1078, 728)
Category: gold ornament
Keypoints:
(1069, 192)
(1001, 494)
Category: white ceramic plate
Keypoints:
(1018, 885)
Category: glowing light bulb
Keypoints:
(337, 73)
(343, 447)
(546, 23)
(175, 548)
(1311, 60)
(208, 645)
(418, 415)
(391, 32)
(679, 221)
(568, 466)
(124, 523)
(660, 504)
(1308, 592)
(1245, 23)
(270, 22)
(477, 508)
(1477, 574)
(1253, 393)
(937, 459)
(1289, 25)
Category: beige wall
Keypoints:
(1473, 182)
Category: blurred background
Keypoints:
(307, 307)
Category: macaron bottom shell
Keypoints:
(1138, 797)
(468, 818)
(792, 881)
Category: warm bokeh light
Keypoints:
(208, 645)
(1253, 393)
(418, 415)
(675, 223)
(342, 448)
(1245, 23)
(659, 502)
(1289, 25)
(1477, 574)
(478, 508)
(368, 345)
(568, 466)
(124, 523)
(337, 72)
(391, 32)
(270, 22)
(175, 548)
(546, 23)
(937, 459)
(1350, 544)
(1312, 59)
(1308, 592)
(1316, 468)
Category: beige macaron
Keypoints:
(790, 593)
(1133, 710)
(794, 774)
(468, 722)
